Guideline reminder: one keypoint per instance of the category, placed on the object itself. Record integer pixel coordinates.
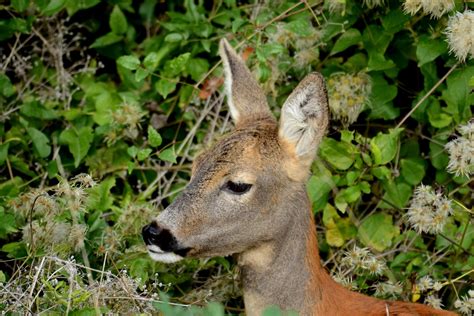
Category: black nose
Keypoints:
(155, 235)
(151, 233)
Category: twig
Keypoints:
(456, 244)
(35, 280)
(458, 278)
(440, 81)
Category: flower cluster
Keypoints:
(461, 151)
(434, 301)
(388, 289)
(362, 259)
(436, 8)
(466, 304)
(348, 94)
(460, 34)
(428, 211)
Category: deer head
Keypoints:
(244, 189)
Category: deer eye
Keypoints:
(236, 187)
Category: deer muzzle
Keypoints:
(162, 245)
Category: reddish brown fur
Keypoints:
(334, 299)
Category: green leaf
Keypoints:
(319, 186)
(73, 6)
(3, 152)
(118, 21)
(338, 229)
(377, 231)
(143, 154)
(413, 170)
(129, 62)
(78, 141)
(132, 151)
(106, 40)
(397, 193)
(381, 99)
(347, 39)
(7, 89)
(341, 155)
(7, 224)
(168, 154)
(154, 139)
(54, 6)
(438, 156)
(40, 142)
(174, 37)
(35, 109)
(165, 87)
(395, 20)
(141, 74)
(381, 172)
(175, 66)
(436, 116)
(384, 146)
(428, 49)
(20, 5)
(100, 198)
(300, 27)
(458, 95)
(197, 68)
(377, 62)
(151, 61)
(11, 188)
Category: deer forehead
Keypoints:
(240, 156)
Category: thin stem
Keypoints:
(455, 243)
(440, 81)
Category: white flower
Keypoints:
(388, 288)
(434, 301)
(425, 283)
(355, 257)
(461, 151)
(466, 304)
(460, 33)
(411, 6)
(436, 8)
(437, 286)
(374, 266)
(428, 211)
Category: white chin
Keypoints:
(159, 255)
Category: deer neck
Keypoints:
(286, 272)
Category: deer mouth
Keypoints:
(157, 254)
(162, 245)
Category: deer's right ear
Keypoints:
(304, 118)
(245, 97)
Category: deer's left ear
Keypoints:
(304, 118)
(245, 98)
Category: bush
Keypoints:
(105, 104)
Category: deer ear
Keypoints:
(304, 118)
(245, 98)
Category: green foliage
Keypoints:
(127, 92)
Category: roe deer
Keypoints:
(247, 197)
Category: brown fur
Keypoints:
(270, 227)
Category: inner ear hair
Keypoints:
(245, 98)
(304, 117)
